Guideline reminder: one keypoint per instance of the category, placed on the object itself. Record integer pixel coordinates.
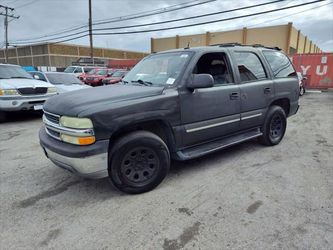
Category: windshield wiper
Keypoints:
(24, 77)
(146, 83)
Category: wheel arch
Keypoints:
(283, 103)
(159, 127)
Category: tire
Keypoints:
(3, 116)
(138, 162)
(274, 126)
(301, 90)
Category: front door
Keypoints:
(210, 113)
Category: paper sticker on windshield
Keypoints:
(170, 81)
(184, 55)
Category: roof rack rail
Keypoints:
(226, 44)
(263, 46)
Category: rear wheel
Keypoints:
(274, 126)
(139, 162)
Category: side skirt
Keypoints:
(212, 146)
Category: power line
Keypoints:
(164, 22)
(195, 24)
(125, 18)
(6, 14)
(26, 4)
(294, 14)
(213, 21)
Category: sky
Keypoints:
(42, 17)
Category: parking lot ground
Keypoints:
(245, 197)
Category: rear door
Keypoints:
(256, 87)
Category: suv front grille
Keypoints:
(32, 91)
(52, 118)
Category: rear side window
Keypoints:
(250, 67)
(280, 64)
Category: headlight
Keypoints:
(78, 140)
(8, 92)
(51, 90)
(72, 122)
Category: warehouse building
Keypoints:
(286, 37)
(62, 55)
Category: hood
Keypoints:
(75, 102)
(62, 88)
(95, 76)
(113, 78)
(22, 83)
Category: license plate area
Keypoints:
(38, 107)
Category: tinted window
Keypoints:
(78, 70)
(69, 69)
(280, 64)
(216, 65)
(39, 74)
(250, 67)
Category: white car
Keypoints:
(20, 91)
(64, 82)
(78, 70)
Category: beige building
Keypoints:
(286, 37)
(61, 55)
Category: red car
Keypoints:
(115, 78)
(96, 77)
(86, 70)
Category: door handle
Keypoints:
(234, 96)
(267, 90)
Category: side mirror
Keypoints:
(36, 77)
(200, 81)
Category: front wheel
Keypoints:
(274, 126)
(138, 162)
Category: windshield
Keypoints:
(70, 69)
(102, 72)
(7, 72)
(159, 69)
(118, 74)
(60, 78)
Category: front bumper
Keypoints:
(17, 103)
(87, 161)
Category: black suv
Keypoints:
(177, 104)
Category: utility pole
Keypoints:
(6, 14)
(90, 34)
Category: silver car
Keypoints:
(20, 91)
(64, 82)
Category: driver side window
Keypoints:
(216, 65)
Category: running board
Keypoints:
(213, 146)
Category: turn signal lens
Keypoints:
(78, 140)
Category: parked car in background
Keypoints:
(64, 82)
(116, 77)
(301, 83)
(96, 77)
(20, 91)
(92, 71)
(78, 70)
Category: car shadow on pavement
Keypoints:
(23, 116)
(103, 189)
(80, 191)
